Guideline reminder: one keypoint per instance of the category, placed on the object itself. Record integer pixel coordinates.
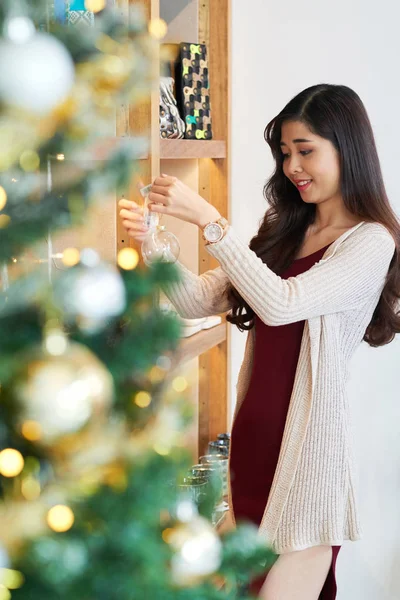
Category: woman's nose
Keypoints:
(293, 165)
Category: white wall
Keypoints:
(278, 49)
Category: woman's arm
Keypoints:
(355, 272)
(197, 296)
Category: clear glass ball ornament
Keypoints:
(160, 245)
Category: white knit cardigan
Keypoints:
(313, 497)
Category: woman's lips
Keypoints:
(303, 187)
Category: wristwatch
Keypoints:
(214, 231)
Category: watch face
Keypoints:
(213, 232)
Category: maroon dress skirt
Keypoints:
(258, 429)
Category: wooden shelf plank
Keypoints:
(180, 148)
(103, 147)
(170, 149)
(198, 343)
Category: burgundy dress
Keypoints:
(258, 428)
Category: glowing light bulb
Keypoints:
(11, 462)
(60, 518)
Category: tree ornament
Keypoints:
(91, 293)
(61, 392)
(197, 547)
(37, 72)
(159, 244)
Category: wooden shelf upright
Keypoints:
(212, 163)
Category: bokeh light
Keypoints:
(71, 257)
(4, 221)
(179, 384)
(60, 518)
(128, 258)
(31, 431)
(30, 488)
(158, 28)
(55, 342)
(11, 462)
(29, 160)
(3, 198)
(142, 399)
(11, 579)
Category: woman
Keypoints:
(321, 275)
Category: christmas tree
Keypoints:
(92, 419)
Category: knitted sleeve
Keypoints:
(197, 296)
(350, 277)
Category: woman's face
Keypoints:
(310, 162)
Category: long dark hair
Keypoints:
(336, 113)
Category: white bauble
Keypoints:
(196, 545)
(91, 293)
(36, 75)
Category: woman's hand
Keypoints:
(132, 219)
(170, 196)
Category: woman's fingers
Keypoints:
(161, 190)
(164, 181)
(129, 204)
(131, 214)
(132, 217)
(159, 198)
(128, 223)
(131, 220)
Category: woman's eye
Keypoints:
(302, 152)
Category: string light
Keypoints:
(156, 374)
(3, 198)
(11, 579)
(166, 534)
(29, 160)
(71, 257)
(11, 462)
(158, 28)
(179, 384)
(142, 399)
(55, 342)
(4, 221)
(60, 518)
(31, 431)
(128, 258)
(30, 488)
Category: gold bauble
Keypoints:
(196, 545)
(61, 393)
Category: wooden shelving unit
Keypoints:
(209, 22)
(186, 149)
(200, 342)
(169, 149)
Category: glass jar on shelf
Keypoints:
(193, 487)
(221, 461)
(218, 447)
